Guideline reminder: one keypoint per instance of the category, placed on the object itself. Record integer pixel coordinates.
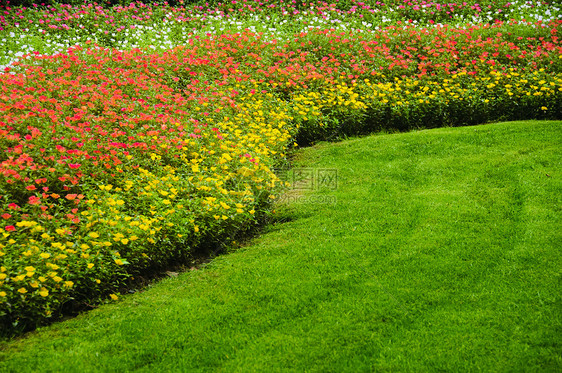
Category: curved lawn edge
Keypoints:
(439, 250)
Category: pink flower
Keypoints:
(33, 200)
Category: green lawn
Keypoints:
(439, 250)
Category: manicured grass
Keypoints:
(440, 252)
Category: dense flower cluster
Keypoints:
(53, 29)
(117, 160)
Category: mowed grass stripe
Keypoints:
(440, 251)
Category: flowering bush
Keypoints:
(115, 161)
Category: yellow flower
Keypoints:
(43, 292)
(119, 262)
(2, 276)
(90, 265)
(68, 284)
(93, 235)
(57, 279)
(544, 108)
(196, 228)
(3, 294)
(113, 296)
(45, 255)
(22, 290)
(124, 241)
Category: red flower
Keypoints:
(10, 228)
(6, 216)
(30, 187)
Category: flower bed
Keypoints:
(115, 162)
